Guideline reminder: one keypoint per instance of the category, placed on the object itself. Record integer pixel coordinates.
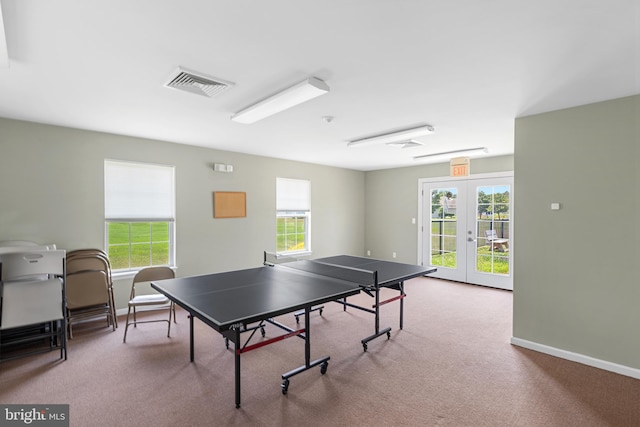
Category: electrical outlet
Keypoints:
(368, 253)
(394, 254)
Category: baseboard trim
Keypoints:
(577, 357)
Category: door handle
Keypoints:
(470, 239)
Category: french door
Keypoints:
(467, 229)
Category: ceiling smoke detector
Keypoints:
(196, 82)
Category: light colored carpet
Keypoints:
(452, 365)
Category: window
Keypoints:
(293, 216)
(139, 211)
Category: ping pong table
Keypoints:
(387, 274)
(230, 302)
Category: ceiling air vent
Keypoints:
(198, 83)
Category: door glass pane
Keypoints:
(492, 229)
(449, 243)
(443, 227)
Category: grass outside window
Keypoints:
(291, 234)
(134, 245)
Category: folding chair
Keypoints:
(149, 301)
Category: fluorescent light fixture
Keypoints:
(401, 135)
(296, 94)
(432, 158)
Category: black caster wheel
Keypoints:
(297, 319)
(364, 346)
(388, 335)
(320, 312)
(323, 368)
(226, 343)
(262, 332)
(285, 386)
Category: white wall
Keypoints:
(51, 191)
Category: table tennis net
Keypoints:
(349, 274)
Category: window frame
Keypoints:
(293, 200)
(306, 217)
(135, 269)
(129, 219)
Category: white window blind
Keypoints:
(293, 194)
(138, 191)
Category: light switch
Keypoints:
(555, 206)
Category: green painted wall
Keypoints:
(51, 191)
(576, 272)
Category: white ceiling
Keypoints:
(466, 67)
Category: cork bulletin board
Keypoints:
(229, 204)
